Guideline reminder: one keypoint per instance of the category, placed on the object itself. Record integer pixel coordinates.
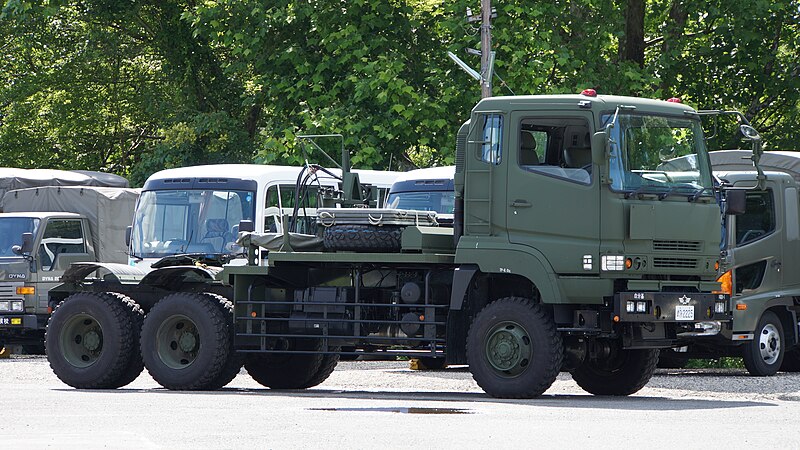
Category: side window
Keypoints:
(556, 147)
(60, 236)
(758, 220)
(492, 148)
(750, 276)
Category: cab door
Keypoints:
(553, 188)
(63, 242)
(757, 248)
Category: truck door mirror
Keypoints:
(735, 202)
(247, 225)
(128, 232)
(600, 153)
(27, 245)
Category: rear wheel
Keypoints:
(233, 365)
(135, 365)
(618, 372)
(186, 341)
(513, 349)
(292, 371)
(90, 340)
(764, 354)
(670, 359)
(791, 360)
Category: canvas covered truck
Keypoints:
(12, 178)
(572, 250)
(42, 231)
(760, 267)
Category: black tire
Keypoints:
(34, 349)
(185, 341)
(791, 360)
(670, 359)
(325, 370)
(135, 365)
(513, 349)
(233, 365)
(623, 372)
(763, 355)
(90, 340)
(362, 238)
(292, 370)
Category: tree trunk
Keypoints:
(632, 46)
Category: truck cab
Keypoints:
(429, 189)
(36, 250)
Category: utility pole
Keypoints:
(486, 48)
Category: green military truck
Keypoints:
(760, 266)
(572, 250)
(42, 232)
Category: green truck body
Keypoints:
(572, 249)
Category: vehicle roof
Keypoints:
(738, 176)
(738, 160)
(432, 173)
(264, 174)
(41, 214)
(602, 102)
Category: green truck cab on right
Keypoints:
(760, 267)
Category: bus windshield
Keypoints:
(170, 222)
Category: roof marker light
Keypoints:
(589, 92)
(674, 100)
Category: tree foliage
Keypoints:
(134, 87)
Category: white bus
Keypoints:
(198, 209)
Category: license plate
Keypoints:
(10, 320)
(684, 312)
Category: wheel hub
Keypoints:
(188, 342)
(769, 344)
(91, 340)
(508, 348)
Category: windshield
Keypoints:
(11, 229)
(643, 151)
(442, 202)
(189, 221)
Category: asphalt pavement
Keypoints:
(373, 404)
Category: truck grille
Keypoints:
(9, 290)
(677, 246)
(675, 263)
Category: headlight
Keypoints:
(719, 307)
(612, 262)
(641, 307)
(16, 305)
(5, 305)
(630, 306)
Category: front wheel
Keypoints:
(186, 341)
(764, 354)
(513, 349)
(617, 372)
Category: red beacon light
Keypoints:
(589, 92)
(674, 100)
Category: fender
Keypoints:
(505, 258)
(746, 321)
(167, 277)
(77, 272)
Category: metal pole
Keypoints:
(486, 47)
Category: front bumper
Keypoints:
(19, 322)
(676, 307)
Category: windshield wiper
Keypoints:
(697, 194)
(135, 256)
(641, 190)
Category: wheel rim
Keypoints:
(177, 342)
(82, 340)
(769, 344)
(508, 349)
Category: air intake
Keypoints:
(677, 246)
(675, 263)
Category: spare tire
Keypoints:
(363, 238)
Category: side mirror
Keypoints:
(247, 225)
(749, 132)
(128, 233)
(601, 151)
(27, 245)
(735, 202)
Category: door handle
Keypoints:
(521, 204)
